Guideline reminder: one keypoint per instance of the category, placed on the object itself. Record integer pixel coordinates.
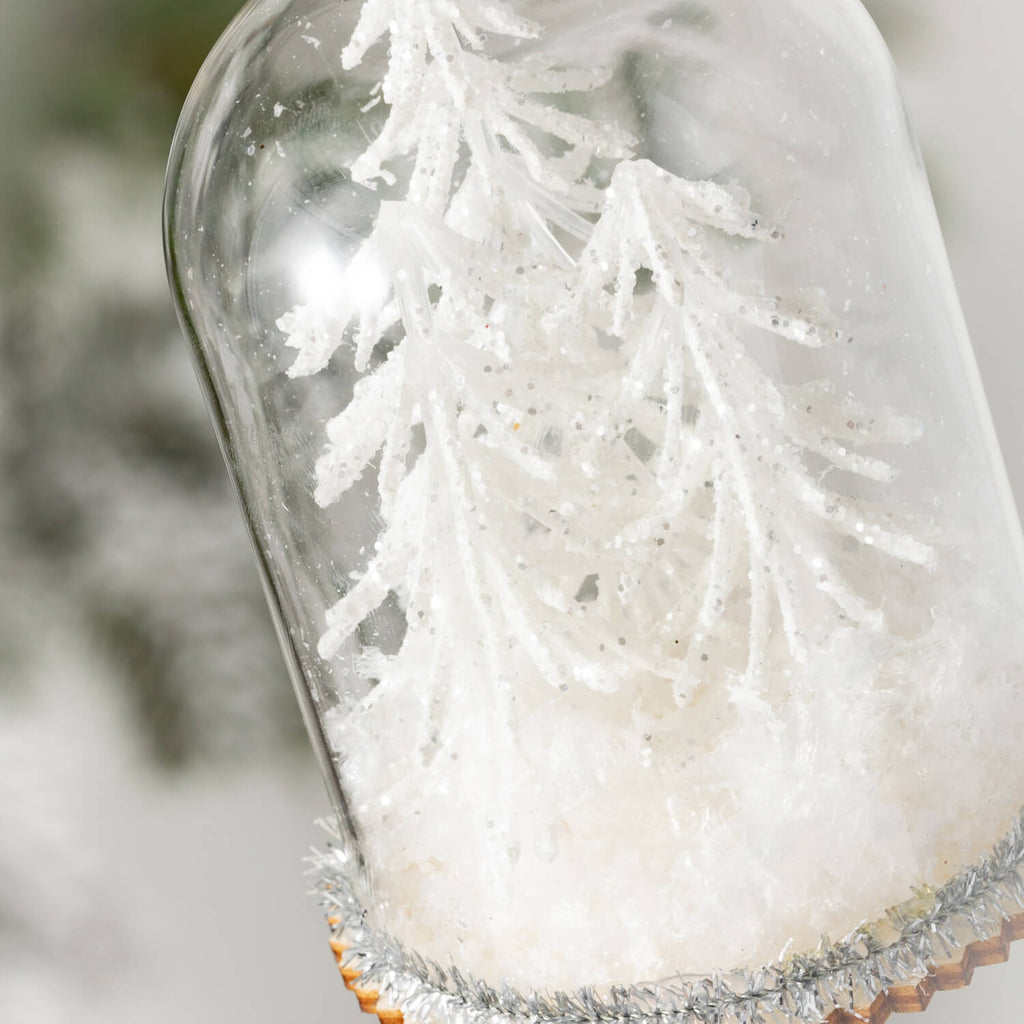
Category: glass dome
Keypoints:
(600, 404)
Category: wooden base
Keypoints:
(368, 998)
(943, 978)
(910, 999)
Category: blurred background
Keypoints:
(157, 793)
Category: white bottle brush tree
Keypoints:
(588, 483)
(589, 445)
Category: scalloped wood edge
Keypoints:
(908, 999)
(942, 978)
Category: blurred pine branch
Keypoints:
(118, 505)
(132, 62)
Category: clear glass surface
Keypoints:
(630, 508)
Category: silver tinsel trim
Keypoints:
(806, 987)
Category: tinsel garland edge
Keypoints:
(893, 966)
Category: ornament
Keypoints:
(616, 461)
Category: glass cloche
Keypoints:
(601, 407)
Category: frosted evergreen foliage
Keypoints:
(657, 605)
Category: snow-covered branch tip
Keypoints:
(543, 425)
